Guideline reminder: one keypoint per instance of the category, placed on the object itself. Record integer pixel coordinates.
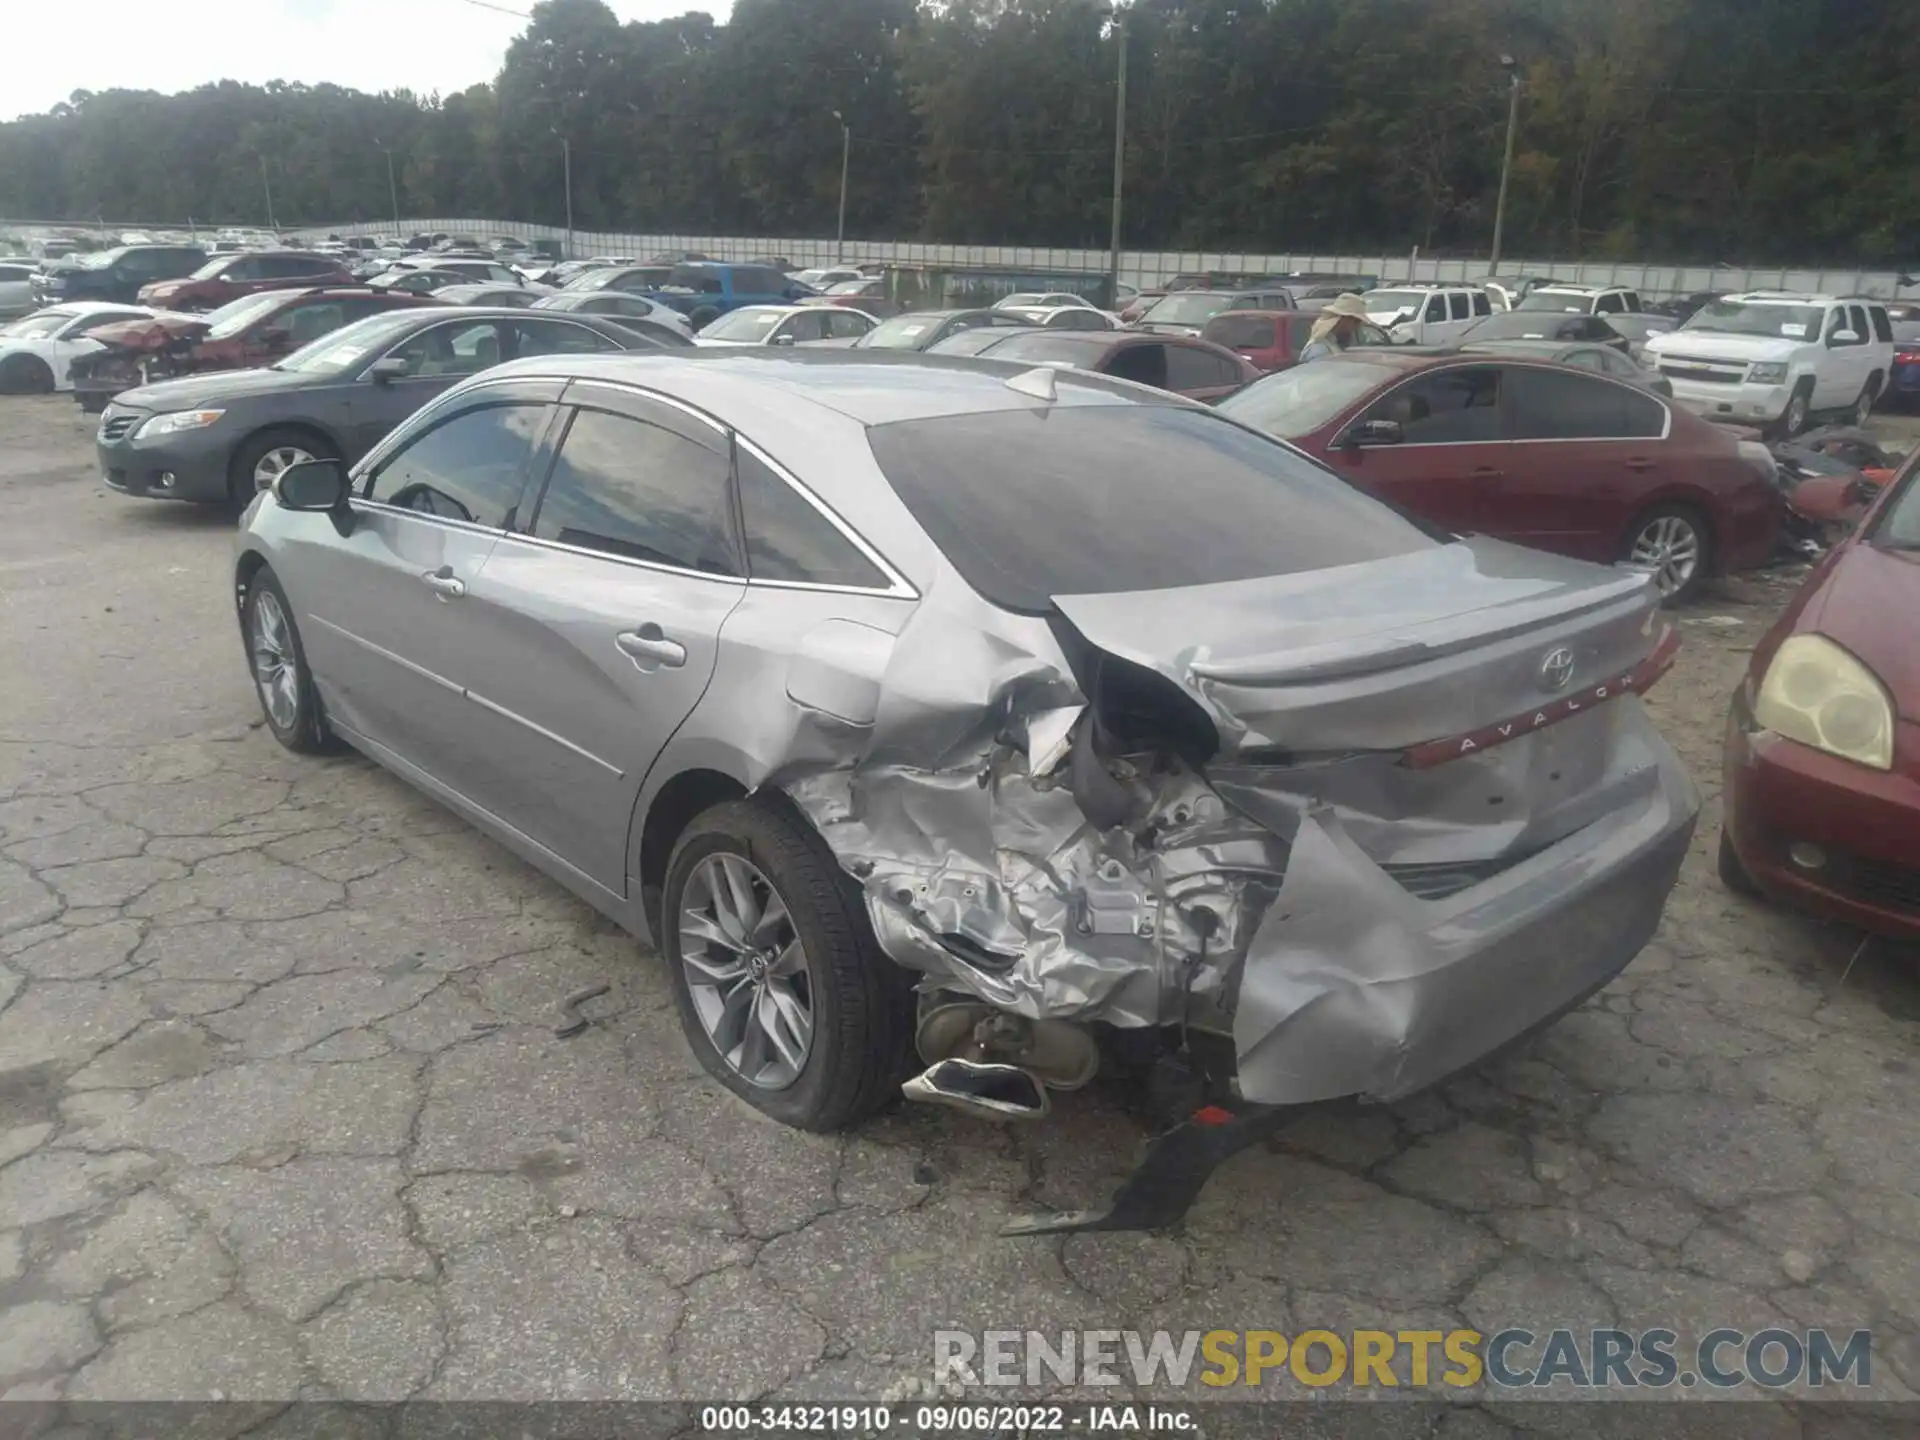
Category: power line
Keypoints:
(502, 9)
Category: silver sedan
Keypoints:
(954, 709)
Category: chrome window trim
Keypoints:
(389, 442)
(562, 546)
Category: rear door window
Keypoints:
(1245, 332)
(1143, 364)
(1069, 500)
(557, 337)
(1554, 405)
(1857, 322)
(470, 467)
(1460, 405)
(789, 540)
(846, 325)
(1481, 304)
(455, 349)
(625, 488)
(1460, 306)
(1189, 368)
(1882, 326)
(1611, 304)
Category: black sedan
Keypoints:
(1601, 359)
(1545, 325)
(219, 438)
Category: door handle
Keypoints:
(1487, 472)
(1641, 464)
(648, 646)
(444, 583)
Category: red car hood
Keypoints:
(1867, 605)
(156, 332)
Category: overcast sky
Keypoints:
(424, 45)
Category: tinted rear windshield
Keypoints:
(1099, 499)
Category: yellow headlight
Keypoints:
(1818, 694)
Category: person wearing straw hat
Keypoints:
(1337, 327)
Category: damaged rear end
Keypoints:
(1338, 824)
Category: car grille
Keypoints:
(1878, 882)
(115, 427)
(1710, 372)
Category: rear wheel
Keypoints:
(260, 461)
(1733, 874)
(25, 375)
(783, 991)
(1673, 542)
(1863, 407)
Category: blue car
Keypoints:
(705, 290)
(1903, 385)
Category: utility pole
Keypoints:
(267, 185)
(1119, 163)
(1506, 165)
(846, 155)
(566, 155)
(393, 190)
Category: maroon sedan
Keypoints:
(229, 277)
(1183, 364)
(1823, 743)
(1542, 454)
(1272, 340)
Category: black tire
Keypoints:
(1733, 874)
(861, 1002)
(25, 375)
(1798, 413)
(1686, 515)
(305, 731)
(241, 486)
(703, 317)
(1863, 407)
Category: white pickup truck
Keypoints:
(1777, 358)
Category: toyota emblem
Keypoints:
(1556, 669)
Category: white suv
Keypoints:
(1565, 298)
(1776, 358)
(1427, 314)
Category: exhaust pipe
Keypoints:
(991, 1092)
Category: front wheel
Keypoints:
(260, 461)
(1799, 408)
(783, 991)
(25, 375)
(1733, 873)
(281, 679)
(1672, 541)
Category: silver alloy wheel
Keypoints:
(746, 971)
(1863, 407)
(268, 467)
(1670, 547)
(275, 667)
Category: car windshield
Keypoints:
(212, 268)
(1301, 400)
(1515, 325)
(236, 315)
(748, 324)
(902, 332)
(35, 327)
(1558, 300)
(1021, 297)
(1388, 302)
(98, 260)
(1055, 347)
(1194, 307)
(346, 347)
(1749, 317)
(1007, 496)
(848, 287)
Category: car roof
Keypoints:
(869, 387)
(1522, 345)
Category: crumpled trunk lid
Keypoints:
(157, 332)
(1380, 656)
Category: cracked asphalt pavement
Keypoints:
(283, 1113)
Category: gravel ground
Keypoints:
(282, 1113)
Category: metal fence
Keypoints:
(1137, 267)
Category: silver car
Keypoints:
(1024, 721)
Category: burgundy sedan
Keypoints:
(1273, 339)
(1183, 364)
(1823, 743)
(1541, 454)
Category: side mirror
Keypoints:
(1845, 337)
(387, 368)
(313, 485)
(782, 340)
(1366, 433)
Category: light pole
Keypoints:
(566, 156)
(267, 185)
(393, 190)
(846, 155)
(1506, 165)
(1119, 163)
